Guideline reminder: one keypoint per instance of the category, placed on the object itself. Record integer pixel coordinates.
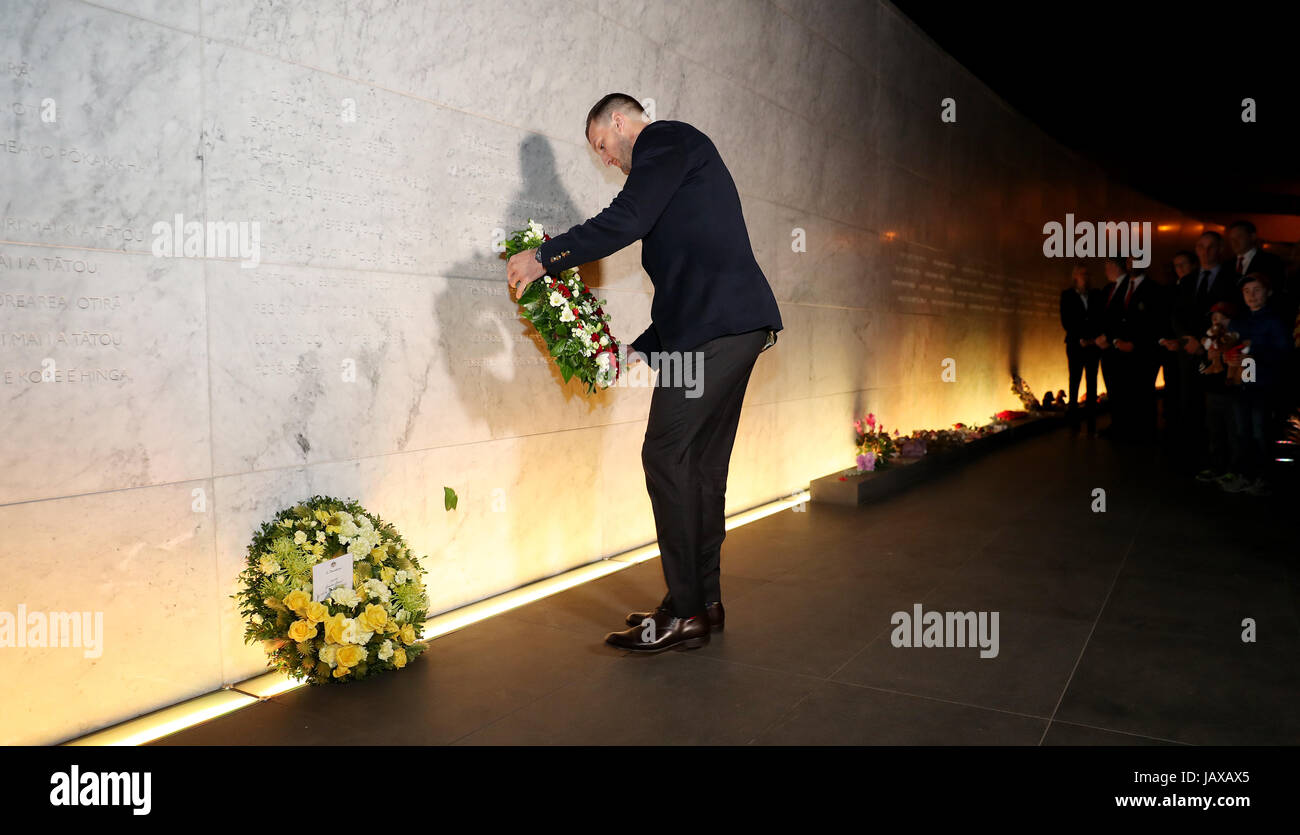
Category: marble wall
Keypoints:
(156, 409)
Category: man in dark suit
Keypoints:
(1132, 332)
(713, 312)
(1111, 296)
(1080, 313)
(1251, 257)
(1184, 395)
(1136, 333)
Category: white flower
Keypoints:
(386, 650)
(566, 314)
(345, 597)
(299, 537)
(268, 565)
(377, 589)
(257, 619)
(556, 299)
(320, 536)
(604, 340)
(353, 633)
(401, 577)
(329, 654)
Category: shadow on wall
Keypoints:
(501, 371)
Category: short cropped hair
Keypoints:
(1188, 254)
(608, 104)
(1243, 224)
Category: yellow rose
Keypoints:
(392, 626)
(340, 671)
(387, 573)
(316, 612)
(350, 655)
(334, 628)
(373, 618)
(296, 600)
(408, 634)
(302, 630)
(399, 658)
(377, 554)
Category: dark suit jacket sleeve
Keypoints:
(648, 341)
(659, 170)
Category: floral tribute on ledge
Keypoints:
(876, 448)
(332, 592)
(569, 318)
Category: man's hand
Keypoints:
(1102, 342)
(1170, 344)
(1084, 343)
(1191, 345)
(521, 270)
(1124, 345)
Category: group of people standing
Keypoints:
(1224, 332)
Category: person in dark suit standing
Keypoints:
(1136, 334)
(1251, 257)
(1183, 333)
(713, 312)
(1080, 312)
(1112, 360)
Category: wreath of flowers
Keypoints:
(570, 319)
(356, 631)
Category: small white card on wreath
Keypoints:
(329, 575)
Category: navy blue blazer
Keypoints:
(680, 201)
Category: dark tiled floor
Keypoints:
(1115, 628)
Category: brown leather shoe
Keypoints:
(717, 616)
(663, 631)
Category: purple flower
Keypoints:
(866, 461)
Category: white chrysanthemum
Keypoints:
(386, 650)
(320, 536)
(354, 634)
(401, 576)
(329, 654)
(377, 590)
(345, 597)
(566, 314)
(268, 565)
(299, 537)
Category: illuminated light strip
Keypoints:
(195, 711)
(160, 723)
(474, 612)
(268, 684)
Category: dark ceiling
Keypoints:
(1152, 92)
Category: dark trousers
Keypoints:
(686, 455)
(1255, 405)
(1190, 428)
(1083, 363)
(1221, 436)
